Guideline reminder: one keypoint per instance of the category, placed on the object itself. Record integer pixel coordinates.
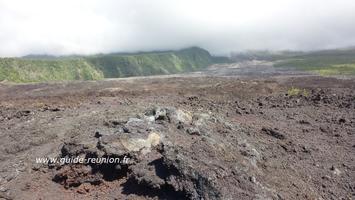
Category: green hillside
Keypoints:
(151, 63)
(324, 62)
(40, 69)
(31, 70)
(329, 62)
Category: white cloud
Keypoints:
(100, 26)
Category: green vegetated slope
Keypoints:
(103, 66)
(33, 70)
(329, 62)
(169, 62)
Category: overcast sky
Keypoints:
(221, 26)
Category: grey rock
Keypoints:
(193, 131)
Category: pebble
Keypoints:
(335, 170)
(252, 179)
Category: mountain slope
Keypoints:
(151, 63)
(323, 62)
(327, 62)
(34, 69)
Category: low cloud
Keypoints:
(62, 27)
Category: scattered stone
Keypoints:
(337, 135)
(3, 189)
(200, 119)
(169, 114)
(149, 118)
(273, 133)
(84, 188)
(160, 114)
(135, 125)
(23, 113)
(5, 196)
(26, 187)
(335, 170)
(36, 167)
(180, 126)
(193, 131)
(81, 191)
(178, 116)
(280, 197)
(342, 120)
(304, 122)
(324, 129)
(238, 112)
(54, 109)
(115, 123)
(252, 179)
(305, 149)
(98, 134)
(157, 112)
(192, 98)
(284, 146)
(125, 129)
(326, 177)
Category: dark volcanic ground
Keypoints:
(187, 137)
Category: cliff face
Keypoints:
(103, 66)
(34, 70)
(142, 64)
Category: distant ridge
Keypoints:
(42, 68)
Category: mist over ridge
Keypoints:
(92, 27)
